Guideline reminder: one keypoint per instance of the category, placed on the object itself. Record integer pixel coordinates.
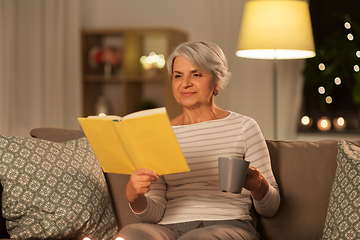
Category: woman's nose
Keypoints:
(187, 82)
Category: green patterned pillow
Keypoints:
(54, 190)
(343, 216)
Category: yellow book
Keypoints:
(143, 139)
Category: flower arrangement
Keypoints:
(108, 56)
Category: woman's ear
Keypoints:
(216, 90)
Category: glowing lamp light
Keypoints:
(339, 123)
(276, 30)
(306, 121)
(118, 238)
(324, 124)
(153, 60)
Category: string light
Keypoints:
(321, 90)
(321, 66)
(328, 99)
(338, 123)
(356, 68)
(337, 81)
(358, 54)
(347, 25)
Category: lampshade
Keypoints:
(276, 29)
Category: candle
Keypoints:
(324, 124)
(339, 123)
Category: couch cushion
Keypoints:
(304, 172)
(116, 182)
(54, 190)
(343, 215)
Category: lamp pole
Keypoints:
(275, 98)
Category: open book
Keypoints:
(143, 139)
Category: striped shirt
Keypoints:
(195, 195)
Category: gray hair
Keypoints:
(205, 56)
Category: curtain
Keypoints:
(290, 96)
(39, 65)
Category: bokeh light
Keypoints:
(339, 123)
(337, 81)
(347, 25)
(328, 100)
(324, 124)
(305, 120)
(356, 68)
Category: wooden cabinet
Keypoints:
(124, 85)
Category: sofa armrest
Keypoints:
(56, 134)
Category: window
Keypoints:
(331, 99)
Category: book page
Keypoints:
(111, 117)
(143, 140)
(107, 145)
(154, 144)
(145, 113)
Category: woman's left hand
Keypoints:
(256, 183)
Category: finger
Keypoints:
(141, 187)
(143, 181)
(145, 178)
(145, 171)
(251, 171)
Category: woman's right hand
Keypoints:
(139, 184)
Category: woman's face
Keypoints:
(191, 88)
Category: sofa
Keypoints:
(305, 172)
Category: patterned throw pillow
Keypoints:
(343, 216)
(54, 190)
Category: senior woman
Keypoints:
(190, 205)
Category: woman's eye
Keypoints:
(197, 75)
(177, 76)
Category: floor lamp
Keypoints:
(276, 29)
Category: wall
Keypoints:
(216, 21)
(251, 88)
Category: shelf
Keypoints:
(121, 79)
(130, 88)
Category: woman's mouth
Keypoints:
(187, 94)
